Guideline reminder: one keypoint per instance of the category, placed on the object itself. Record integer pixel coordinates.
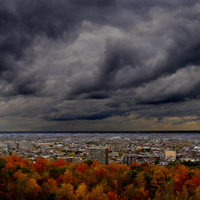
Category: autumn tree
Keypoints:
(159, 178)
(68, 177)
(97, 194)
(65, 192)
(32, 189)
(81, 192)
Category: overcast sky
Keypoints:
(99, 65)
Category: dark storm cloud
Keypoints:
(21, 21)
(28, 85)
(152, 58)
(124, 57)
(98, 116)
(119, 56)
(179, 87)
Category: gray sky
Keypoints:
(99, 65)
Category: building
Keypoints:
(170, 155)
(68, 160)
(109, 147)
(24, 145)
(99, 153)
(12, 145)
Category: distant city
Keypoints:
(158, 148)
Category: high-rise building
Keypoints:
(99, 153)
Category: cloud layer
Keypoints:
(71, 63)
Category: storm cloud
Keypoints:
(96, 61)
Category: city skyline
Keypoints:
(98, 65)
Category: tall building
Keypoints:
(99, 153)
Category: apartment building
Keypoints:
(99, 153)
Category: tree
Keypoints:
(81, 167)
(81, 191)
(120, 154)
(52, 185)
(68, 176)
(136, 193)
(18, 175)
(32, 189)
(88, 162)
(40, 164)
(10, 166)
(180, 176)
(2, 163)
(65, 192)
(140, 180)
(112, 196)
(157, 161)
(58, 163)
(72, 154)
(97, 194)
(159, 178)
(4, 196)
(197, 193)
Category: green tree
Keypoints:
(157, 161)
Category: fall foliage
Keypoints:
(49, 180)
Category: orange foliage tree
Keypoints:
(45, 179)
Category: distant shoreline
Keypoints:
(103, 132)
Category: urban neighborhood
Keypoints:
(158, 149)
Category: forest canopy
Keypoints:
(48, 180)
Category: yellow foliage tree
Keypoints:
(68, 176)
(135, 193)
(183, 195)
(139, 149)
(32, 189)
(81, 191)
(159, 178)
(72, 154)
(45, 175)
(65, 192)
(197, 193)
(52, 185)
(36, 176)
(96, 165)
(157, 195)
(97, 194)
(140, 180)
